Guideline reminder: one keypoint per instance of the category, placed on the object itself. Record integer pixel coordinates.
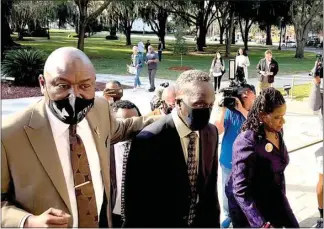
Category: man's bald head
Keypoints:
(68, 70)
(169, 95)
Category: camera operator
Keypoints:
(229, 122)
(113, 91)
(316, 102)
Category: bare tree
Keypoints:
(124, 14)
(199, 13)
(155, 13)
(85, 18)
(302, 13)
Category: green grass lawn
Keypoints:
(111, 57)
(299, 91)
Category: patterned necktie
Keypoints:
(192, 174)
(84, 191)
(125, 156)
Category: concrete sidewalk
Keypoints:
(302, 127)
(280, 80)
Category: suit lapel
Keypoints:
(92, 118)
(41, 138)
(206, 154)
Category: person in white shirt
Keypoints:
(242, 62)
(122, 109)
(55, 154)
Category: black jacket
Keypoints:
(157, 184)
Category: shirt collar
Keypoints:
(59, 127)
(182, 128)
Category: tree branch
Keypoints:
(95, 14)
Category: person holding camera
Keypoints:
(316, 103)
(256, 190)
(267, 69)
(229, 122)
(113, 91)
(217, 69)
(242, 62)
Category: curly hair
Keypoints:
(266, 102)
(124, 104)
(191, 76)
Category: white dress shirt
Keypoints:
(60, 132)
(184, 132)
(119, 158)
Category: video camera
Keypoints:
(165, 85)
(236, 86)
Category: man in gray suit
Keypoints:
(267, 69)
(316, 100)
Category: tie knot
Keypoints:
(72, 129)
(192, 135)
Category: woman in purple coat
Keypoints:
(256, 189)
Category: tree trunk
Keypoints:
(163, 41)
(6, 40)
(113, 29)
(268, 39)
(128, 35)
(221, 34)
(81, 37)
(246, 37)
(229, 35)
(201, 39)
(279, 47)
(301, 37)
(233, 35)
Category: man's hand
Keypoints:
(50, 218)
(149, 61)
(262, 72)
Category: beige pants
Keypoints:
(261, 86)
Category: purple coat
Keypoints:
(256, 189)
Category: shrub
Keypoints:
(111, 37)
(24, 65)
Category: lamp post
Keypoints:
(231, 71)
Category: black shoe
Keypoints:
(151, 89)
(319, 223)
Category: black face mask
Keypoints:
(64, 111)
(197, 118)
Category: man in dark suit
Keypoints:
(267, 69)
(171, 174)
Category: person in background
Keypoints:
(167, 102)
(242, 63)
(151, 60)
(113, 91)
(267, 69)
(256, 190)
(137, 62)
(122, 109)
(230, 122)
(160, 49)
(316, 103)
(171, 174)
(147, 44)
(141, 49)
(58, 174)
(217, 69)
